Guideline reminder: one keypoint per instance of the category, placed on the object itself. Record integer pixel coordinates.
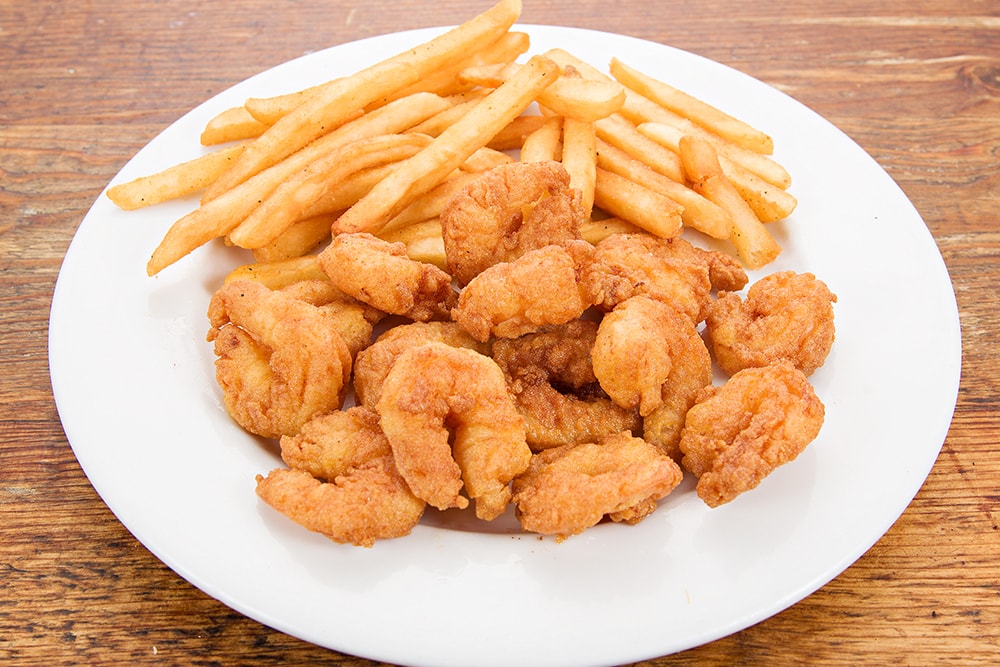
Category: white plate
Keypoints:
(133, 380)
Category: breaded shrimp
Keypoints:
(506, 212)
(372, 365)
(330, 444)
(649, 356)
(552, 380)
(369, 502)
(539, 288)
(281, 361)
(670, 270)
(737, 434)
(380, 274)
(571, 488)
(786, 315)
(449, 420)
(354, 320)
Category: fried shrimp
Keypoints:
(542, 287)
(281, 360)
(670, 270)
(571, 488)
(372, 364)
(738, 433)
(450, 420)
(330, 444)
(380, 274)
(354, 320)
(369, 502)
(506, 212)
(649, 356)
(552, 380)
(786, 315)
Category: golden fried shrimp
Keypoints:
(372, 364)
(571, 488)
(649, 356)
(670, 270)
(280, 362)
(449, 419)
(380, 274)
(541, 287)
(354, 320)
(506, 212)
(552, 380)
(738, 433)
(328, 445)
(369, 502)
(786, 315)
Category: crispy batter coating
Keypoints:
(539, 288)
(372, 364)
(329, 445)
(369, 502)
(552, 379)
(786, 315)
(571, 488)
(281, 360)
(670, 270)
(380, 274)
(449, 421)
(738, 433)
(506, 212)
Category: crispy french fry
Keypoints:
(299, 239)
(269, 110)
(755, 246)
(768, 201)
(431, 165)
(297, 194)
(429, 205)
(335, 103)
(699, 213)
(276, 275)
(174, 182)
(620, 133)
(545, 143)
(594, 231)
(423, 241)
(656, 213)
(483, 159)
(579, 157)
(513, 135)
(234, 124)
(346, 193)
(692, 108)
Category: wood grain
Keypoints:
(85, 85)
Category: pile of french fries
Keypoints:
(382, 150)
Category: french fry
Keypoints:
(269, 110)
(174, 182)
(299, 239)
(755, 246)
(276, 275)
(347, 192)
(701, 113)
(620, 133)
(638, 205)
(545, 143)
(235, 124)
(297, 194)
(579, 157)
(769, 202)
(699, 213)
(594, 231)
(430, 204)
(332, 105)
(423, 241)
(484, 159)
(512, 137)
(446, 152)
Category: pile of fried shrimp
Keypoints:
(456, 303)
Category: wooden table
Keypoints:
(85, 85)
